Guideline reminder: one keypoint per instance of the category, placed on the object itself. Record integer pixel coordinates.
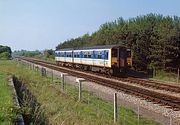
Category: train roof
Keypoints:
(93, 47)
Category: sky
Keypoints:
(43, 24)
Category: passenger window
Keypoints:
(62, 54)
(106, 55)
(89, 54)
(78, 55)
(85, 54)
(99, 55)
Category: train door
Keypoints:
(103, 57)
(129, 58)
(114, 59)
(64, 56)
(93, 57)
(81, 57)
(122, 57)
(72, 56)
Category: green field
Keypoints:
(6, 103)
(64, 108)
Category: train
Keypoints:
(107, 59)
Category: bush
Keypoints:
(5, 52)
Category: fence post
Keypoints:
(80, 80)
(43, 71)
(52, 76)
(37, 68)
(29, 65)
(170, 120)
(115, 107)
(138, 114)
(62, 80)
(80, 88)
(178, 76)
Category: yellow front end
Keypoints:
(129, 62)
(114, 61)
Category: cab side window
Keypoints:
(114, 53)
(106, 54)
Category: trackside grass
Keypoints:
(6, 102)
(162, 75)
(63, 107)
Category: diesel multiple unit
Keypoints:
(111, 59)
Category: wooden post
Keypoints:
(52, 76)
(29, 65)
(115, 107)
(80, 88)
(138, 114)
(80, 80)
(178, 76)
(170, 120)
(62, 80)
(37, 69)
(43, 71)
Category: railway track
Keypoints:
(156, 97)
(153, 84)
(142, 82)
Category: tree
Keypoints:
(5, 52)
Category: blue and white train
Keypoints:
(109, 59)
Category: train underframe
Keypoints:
(114, 71)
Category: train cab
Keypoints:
(129, 58)
(121, 59)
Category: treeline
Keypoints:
(48, 53)
(5, 52)
(153, 39)
(26, 53)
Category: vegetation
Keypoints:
(26, 53)
(63, 108)
(153, 39)
(5, 52)
(6, 100)
(47, 54)
(166, 76)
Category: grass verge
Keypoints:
(6, 101)
(162, 75)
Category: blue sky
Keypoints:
(41, 24)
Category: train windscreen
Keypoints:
(128, 53)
